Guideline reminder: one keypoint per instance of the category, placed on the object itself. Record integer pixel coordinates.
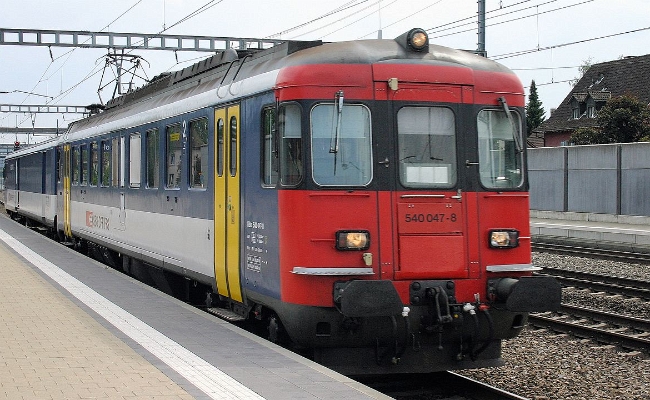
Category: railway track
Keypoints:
(597, 282)
(439, 386)
(627, 332)
(623, 331)
(600, 251)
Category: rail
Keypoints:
(595, 250)
(439, 385)
(590, 327)
(605, 283)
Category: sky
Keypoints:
(541, 40)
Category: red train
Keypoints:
(365, 200)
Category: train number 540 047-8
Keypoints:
(430, 217)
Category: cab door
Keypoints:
(428, 208)
(227, 203)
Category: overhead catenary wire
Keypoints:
(193, 14)
(556, 46)
(346, 6)
(519, 18)
(544, 68)
(551, 83)
(473, 18)
(407, 17)
(356, 12)
(357, 20)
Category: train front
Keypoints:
(404, 218)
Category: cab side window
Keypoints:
(290, 130)
(269, 148)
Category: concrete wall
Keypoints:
(607, 179)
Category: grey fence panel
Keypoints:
(592, 179)
(592, 191)
(546, 177)
(635, 179)
(609, 179)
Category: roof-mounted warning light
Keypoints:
(415, 40)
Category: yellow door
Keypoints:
(226, 202)
(67, 226)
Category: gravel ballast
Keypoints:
(542, 365)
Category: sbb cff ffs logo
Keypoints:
(97, 221)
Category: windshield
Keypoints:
(341, 145)
(427, 147)
(500, 163)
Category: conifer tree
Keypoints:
(534, 110)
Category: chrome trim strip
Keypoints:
(332, 271)
(512, 268)
(423, 196)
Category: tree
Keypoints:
(588, 136)
(534, 110)
(582, 69)
(623, 119)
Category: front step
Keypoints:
(225, 314)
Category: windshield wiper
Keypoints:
(336, 130)
(515, 127)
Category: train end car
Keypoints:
(400, 228)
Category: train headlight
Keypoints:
(418, 39)
(504, 238)
(352, 240)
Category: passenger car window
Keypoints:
(94, 164)
(76, 160)
(135, 160)
(174, 149)
(199, 152)
(153, 158)
(84, 164)
(116, 168)
(106, 163)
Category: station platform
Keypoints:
(626, 232)
(72, 328)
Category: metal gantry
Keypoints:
(43, 109)
(142, 41)
(30, 131)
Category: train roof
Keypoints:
(294, 53)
